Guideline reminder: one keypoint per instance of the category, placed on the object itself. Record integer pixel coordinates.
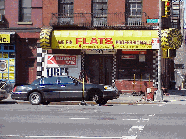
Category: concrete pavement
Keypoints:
(172, 97)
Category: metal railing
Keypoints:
(98, 20)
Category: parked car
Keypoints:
(5, 89)
(63, 88)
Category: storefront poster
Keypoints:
(61, 60)
(141, 58)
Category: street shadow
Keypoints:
(177, 92)
(8, 102)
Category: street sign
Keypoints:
(152, 21)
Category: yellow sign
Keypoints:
(110, 39)
(104, 39)
(4, 38)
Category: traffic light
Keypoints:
(165, 8)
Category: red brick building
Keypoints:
(23, 19)
(109, 41)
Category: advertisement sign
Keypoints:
(4, 38)
(141, 58)
(128, 57)
(103, 39)
(61, 60)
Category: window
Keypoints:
(2, 7)
(135, 7)
(65, 80)
(99, 10)
(134, 12)
(65, 10)
(25, 10)
(52, 80)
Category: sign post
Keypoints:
(83, 99)
(159, 93)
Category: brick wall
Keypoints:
(12, 14)
(127, 86)
(49, 7)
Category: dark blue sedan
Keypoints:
(63, 88)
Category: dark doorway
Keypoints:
(99, 68)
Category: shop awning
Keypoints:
(103, 39)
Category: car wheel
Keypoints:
(102, 101)
(35, 98)
(99, 100)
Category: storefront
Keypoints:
(7, 56)
(125, 58)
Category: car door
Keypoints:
(49, 88)
(70, 88)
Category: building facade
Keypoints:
(131, 68)
(21, 20)
(104, 41)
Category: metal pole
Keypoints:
(159, 93)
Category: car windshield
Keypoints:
(36, 82)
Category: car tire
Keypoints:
(35, 98)
(102, 101)
(99, 100)
(46, 103)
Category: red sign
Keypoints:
(134, 52)
(128, 57)
(61, 60)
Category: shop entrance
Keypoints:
(99, 68)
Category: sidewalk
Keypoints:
(172, 97)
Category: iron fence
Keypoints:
(98, 20)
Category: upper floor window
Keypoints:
(66, 7)
(135, 7)
(65, 11)
(2, 7)
(25, 10)
(134, 12)
(99, 10)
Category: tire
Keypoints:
(102, 101)
(99, 100)
(46, 103)
(35, 98)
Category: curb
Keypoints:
(94, 103)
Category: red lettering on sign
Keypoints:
(84, 41)
(101, 40)
(78, 40)
(93, 41)
(108, 41)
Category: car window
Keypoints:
(50, 80)
(36, 82)
(65, 80)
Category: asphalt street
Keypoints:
(153, 121)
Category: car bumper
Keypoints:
(19, 95)
(110, 94)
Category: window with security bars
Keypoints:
(134, 12)
(65, 11)
(99, 10)
(25, 10)
(2, 7)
